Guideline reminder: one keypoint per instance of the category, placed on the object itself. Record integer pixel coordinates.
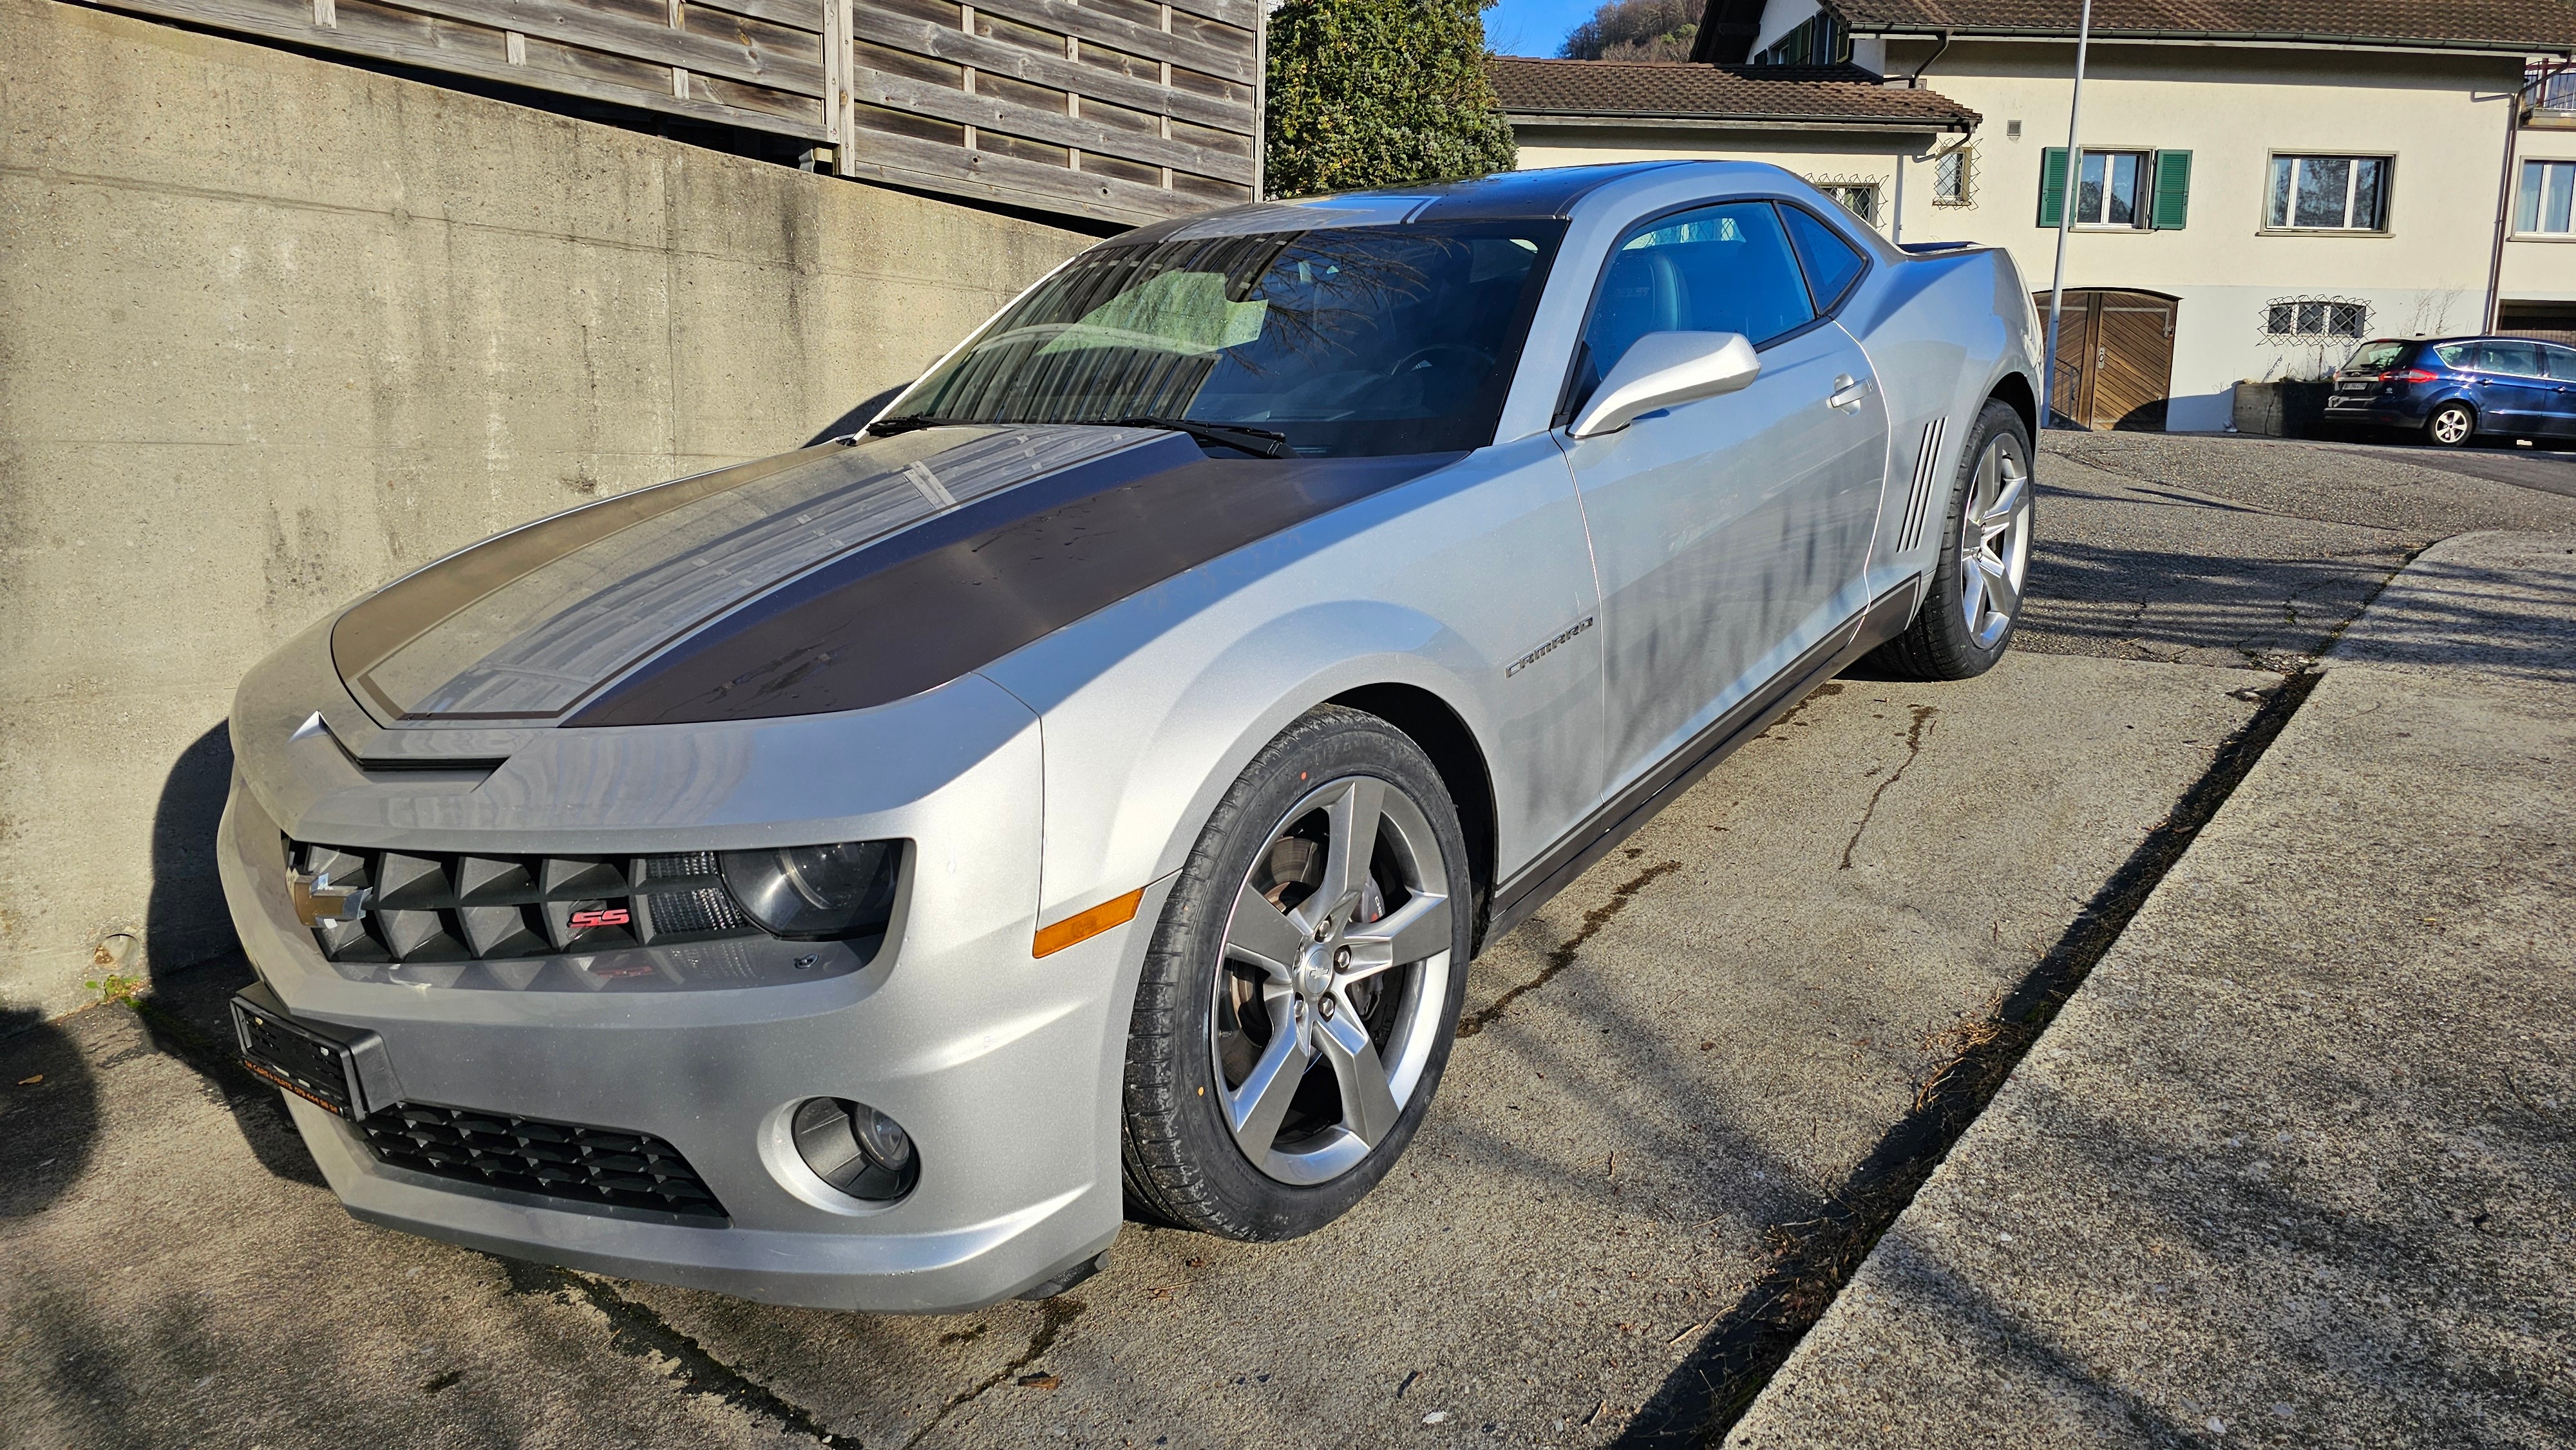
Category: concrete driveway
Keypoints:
(1704, 1045)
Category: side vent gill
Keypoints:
(1918, 499)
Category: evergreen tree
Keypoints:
(1367, 93)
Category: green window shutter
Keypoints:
(2052, 186)
(2172, 205)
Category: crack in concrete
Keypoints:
(1913, 751)
(1813, 1260)
(1562, 955)
(639, 1332)
(1053, 1315)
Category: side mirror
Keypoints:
(1664, 368)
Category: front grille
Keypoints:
(587, 1166)
(461, 908)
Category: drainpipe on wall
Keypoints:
(1896, 209)
(2065, 218)
(2504, 210)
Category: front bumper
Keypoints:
(1002, 1067)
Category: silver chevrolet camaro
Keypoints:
(862, 877)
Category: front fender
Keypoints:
(1150, 709)
(1134, 774)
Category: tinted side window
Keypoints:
(1718, 269)
(1832, 263)
(2457, 354)
(2521, 359)
(2561, 362)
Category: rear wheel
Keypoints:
(1974, 600)
(2451, 426)
(1302, 990)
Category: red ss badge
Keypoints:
(611, 916)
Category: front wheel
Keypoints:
(1974, 600)
(2451, 426)
(1302, 989)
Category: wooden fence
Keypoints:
(1119, 110)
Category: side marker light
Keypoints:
(1083, 926)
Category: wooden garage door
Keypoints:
(2114, 358)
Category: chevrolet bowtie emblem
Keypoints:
(317, 900)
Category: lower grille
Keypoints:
(584, 1166)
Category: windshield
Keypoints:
(2376, 357)
(1361, 340)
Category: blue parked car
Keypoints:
(2453, 389)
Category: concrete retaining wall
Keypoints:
(273, 330)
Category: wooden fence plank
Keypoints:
(921, 37)
(1241, 14)
(910, 162)
(1068, 18)
(802, 14)
(575, 24)
(924, 98)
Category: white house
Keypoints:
(2262, 182)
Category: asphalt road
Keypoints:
(1693, 1050)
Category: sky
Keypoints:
(1534, 27)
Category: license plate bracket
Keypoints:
(324, 1063)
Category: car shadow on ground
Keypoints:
(2163, 604)
(195, 961)
(49, 1120)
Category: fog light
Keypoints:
(855, 1148)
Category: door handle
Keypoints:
(1848, 392)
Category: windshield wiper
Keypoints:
(888, 427)
(1261, 441)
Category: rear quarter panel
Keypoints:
(1942, 332)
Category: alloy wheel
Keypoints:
(1337, 962)
(2451, 427)
(1994, 542)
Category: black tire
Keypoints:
(1938, 645)
(1180, 1159)
(2454, 418)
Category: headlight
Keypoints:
(815, 893)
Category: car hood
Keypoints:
(836, 577)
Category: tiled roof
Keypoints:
(1820, 94)
(2537, 25)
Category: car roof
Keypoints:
(2467, 337)
(1549, 193)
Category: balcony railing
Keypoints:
(1120, 110)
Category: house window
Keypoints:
(2112, 189)
(1950, 178)
(1859, 198)
(2329, 193)
(1817, 40)
(2546, 190)
(2306, 317)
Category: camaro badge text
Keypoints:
(1542, 652)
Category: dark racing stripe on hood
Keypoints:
(954, 594)
(526, 627)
